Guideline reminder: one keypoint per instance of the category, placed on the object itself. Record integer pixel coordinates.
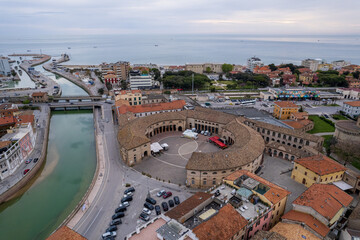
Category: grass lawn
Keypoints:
(356, 164)
(320, 125)
(339, 117)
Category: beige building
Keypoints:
(201, 68)
(40, 97)
(121, 69)
(347, 131)
(134, 97)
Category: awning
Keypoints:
(342, 185)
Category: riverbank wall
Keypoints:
(68, 76)
(14, 190)
(77, 213)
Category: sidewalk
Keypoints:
(101, 168)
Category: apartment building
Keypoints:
(5, 68)
(352, 108)
(121, 69)
(284, 109)
(134, 97)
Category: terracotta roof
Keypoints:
(153, 107)
(353, 104)
(39, 94)
(275, 194)
(309, 220)
(300, 114)
(326, 199)
(25, 119)
(4, 144)
(293, 231)
(298, 124)
(6, 106)
(320, 164)
(188, 205)
(110, 76)
(65, 233)
(123, 92)
(286, 104)
(7, 120)
(224, 225)
(287, 131)
(264, 235)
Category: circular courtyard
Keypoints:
(170, 164)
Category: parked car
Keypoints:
(118, 215)
(28, 161)
(166, 195)
(111, 228)
(129, 194)
(120, 209)
(127, 199)
(108, 234)
(115, 222)
(36, 159)
(150, 200)
(144, 217)
(130, 189)
(171, 203)
(165, 206)
(147, 211)
(26, 171)
(176, 200)
(124, 204)
(160, 193)
(157, 209)
(149, 206)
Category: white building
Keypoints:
(311, 63)
(253, 62)
(4, 66)
(351, 108)
(349, 93)
(337, 65)
(15, 155)
(141, 82)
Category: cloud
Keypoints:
(173, 16)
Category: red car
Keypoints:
(166, 195)
(26, 171)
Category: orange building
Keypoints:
(284, 109)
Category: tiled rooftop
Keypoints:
(326, 199)
(286, 104)
(224, 225)
(293, 231)
(65, 233)
(320, 164)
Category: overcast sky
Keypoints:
(32, 17)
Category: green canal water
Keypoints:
(59, 186)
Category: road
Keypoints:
(40, 118)
(98, 216)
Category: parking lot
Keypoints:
(170, 165)
(276, 170)
(131, 220)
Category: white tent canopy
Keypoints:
(342, 185)
(156, 147)
(190, 134)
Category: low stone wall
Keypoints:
(12, 192)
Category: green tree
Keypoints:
(145, 72)
(272, 67)
(156, 73)
(208, 70)
(101, 91)
(123, 85)
(227, 67)
(356, 74)
(108, 86)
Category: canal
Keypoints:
(63, 180)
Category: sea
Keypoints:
(176, 49)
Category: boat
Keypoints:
(156, 45)
(95, 46)
(28, 50)
(69, 47)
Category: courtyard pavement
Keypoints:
(170, 165)
(276, 170)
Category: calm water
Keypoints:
(68, 171)
(181, 49)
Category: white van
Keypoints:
(109, 234)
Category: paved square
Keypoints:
(276, 170)
(170, 165)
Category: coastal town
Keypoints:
(216, 151)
